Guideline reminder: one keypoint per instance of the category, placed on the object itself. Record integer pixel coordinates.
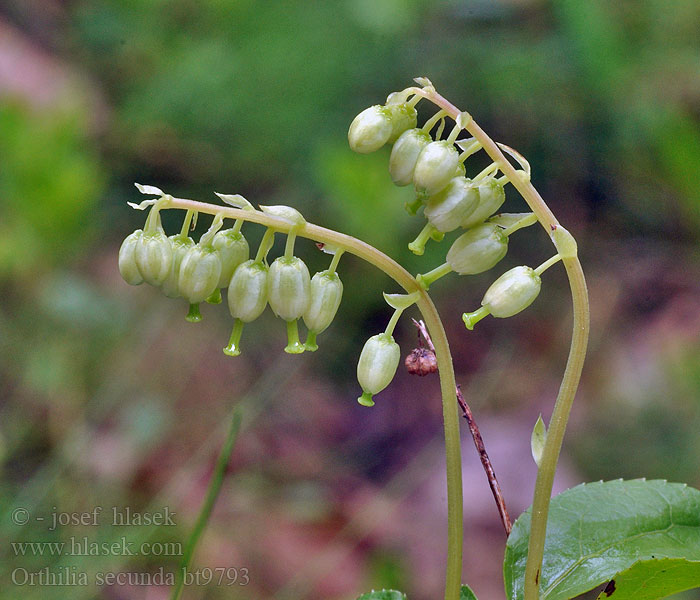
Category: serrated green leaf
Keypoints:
(383, 595)
(598, 530)
(466, 593)
(652, 579)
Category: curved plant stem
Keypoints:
(442, 353)
(217, 479)
(574, 365)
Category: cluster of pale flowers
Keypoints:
(221, 259)
(449, 201)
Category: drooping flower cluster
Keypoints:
(221, 259)
(450, 200)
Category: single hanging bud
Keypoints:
(447, 209)
(326, 294)
(377, 366)
(436, 165)
(233, 250)
(370, 130)
(478, 249)
(171, 286)
(154, 256)
(512, 292)
(404, 155)
(200, 270)
(289, 287)
(247, 292)
(127, 259)
(491, 197)
(403, 116)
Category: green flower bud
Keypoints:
(405, 153)
(377, 366)
(477, 250)
(247, 292)
(171, 286)
(370, 130)
(154, 256)
(200, 270)
(435, 167)
(403, 117)
(326, 294)
(289, 287)
(512, 292)
(491, 197)
(233, 250)
(447, 209)
(127, 259)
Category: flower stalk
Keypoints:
(442, 352)
(577, 352)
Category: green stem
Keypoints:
(469, 150)
(265, 244)
(213, 490)
(193, 314)
(442, 354)
(577, 352)
(289, 245)
(187, 221)
(294, 346)
(430, 123)
(234, 342)
(547, 263)
(417, 246)
(335, 260)
(393, 321)
(524, 222)
(472, 318)
(427, 279)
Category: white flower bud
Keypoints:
(405, 153)
(512, 292)
(326, 294)
(200, 270)
(402, 117)
(370, 130)
(154, 257)
(247, 292)
(491, 197)
(233, 250)
(127, 259)
(435, 166)
(377, 366)
(171, 285)
(289, 287)
(477, 250)
(447, 209)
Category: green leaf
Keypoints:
(466, 594)
(383, 595)
(598, 530)
(652, 579)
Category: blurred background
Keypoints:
(109, 398)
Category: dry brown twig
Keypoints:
(415, 363)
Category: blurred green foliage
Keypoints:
(50, 182)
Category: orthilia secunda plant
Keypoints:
(456, 201)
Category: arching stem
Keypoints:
(453, 458)
(577, 352)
